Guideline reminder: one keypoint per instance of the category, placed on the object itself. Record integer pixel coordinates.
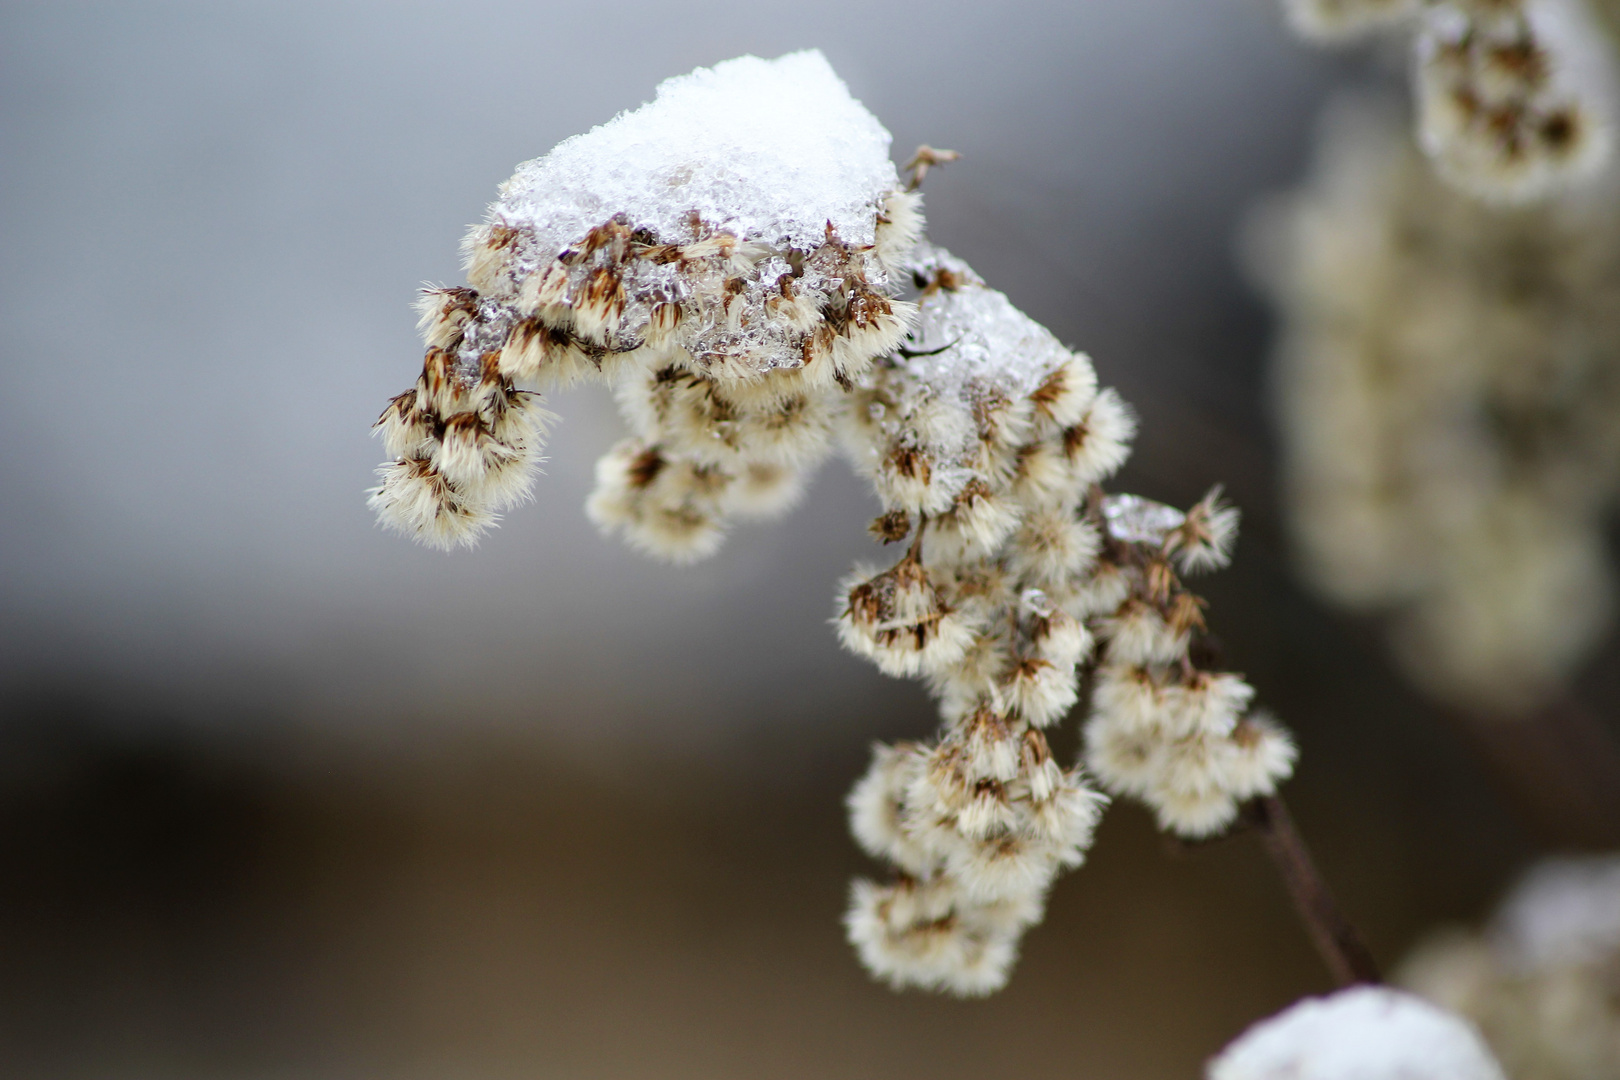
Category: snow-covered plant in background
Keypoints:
(1542, 980)
(741, 261)
(1514, 98)
(1448, 394)
(1448, 376)
(1364, 1033)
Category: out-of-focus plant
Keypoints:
(1448, 374)
(1543, 979)
(1513, 97)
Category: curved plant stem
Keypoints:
(1340, 946)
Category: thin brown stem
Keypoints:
(1341, 948)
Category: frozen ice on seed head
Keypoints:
(1136, 520)
(969, 334)
(1363, 1033)
(769, 150)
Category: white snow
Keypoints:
(1364, 1033)
(769, 150)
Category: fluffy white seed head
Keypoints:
(1065, 396)
(666, 508)
(976, 525)
(1513, 103)
(1263, 756)
(1040, 691)
(1124, 756)
(1052, 548)
(1189, 793)
(1206, 536)
(1043, 476)
(1139, 634)
(899, 228)
(923, 934)
(877, 810)
(1108, 586)
(898, 621)
(1207, 703)
(764, 491)
(1099, 444)
(417, 502)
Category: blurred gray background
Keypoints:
(282, 795)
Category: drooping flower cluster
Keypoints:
(1514, 98)
(739, 279)
(1543, 981)
(986, 440)
(1164, 727)
(981, 439)
(1363, 1033)
(1449, 399)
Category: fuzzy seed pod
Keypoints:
(897, 620)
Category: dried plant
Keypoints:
(1448, 390)
(1514, 98)
(1543, 980)
(755, 286)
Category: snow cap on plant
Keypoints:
(1363, 1033)
(724, 266)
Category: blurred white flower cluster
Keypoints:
(1514, 98)
(1363, 1033)
(737, 271)
(1448, 390)
(1543, 980)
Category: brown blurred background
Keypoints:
(282, 796)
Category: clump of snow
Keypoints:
(768, 150)
(1364, 1033)
(1565, 911)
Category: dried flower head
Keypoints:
(743, 282)
(725, 268)
(1449, 401)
